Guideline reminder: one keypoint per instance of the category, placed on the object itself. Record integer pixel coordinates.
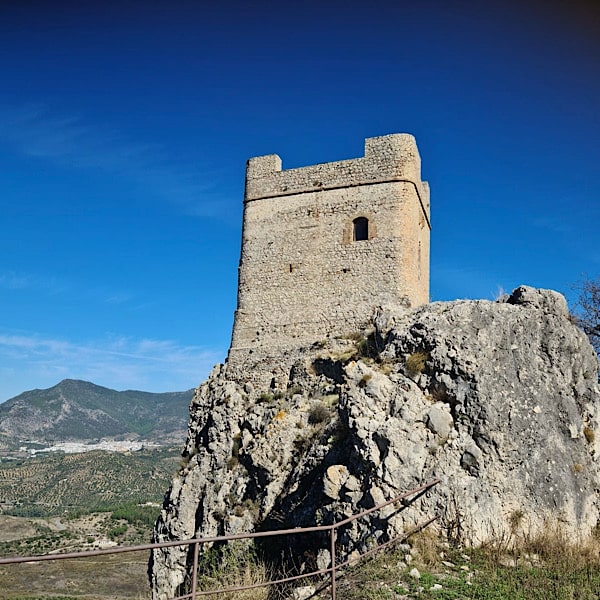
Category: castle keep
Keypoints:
(324, 245)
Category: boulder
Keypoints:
(499, 400)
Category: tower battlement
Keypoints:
(387, 158)
(324, 245)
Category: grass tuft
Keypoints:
(415, 362)
(548, 565)
(319, 413)
(230, 566)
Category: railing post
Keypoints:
(195, 572)
(332, 563)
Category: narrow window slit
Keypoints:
(361, 229)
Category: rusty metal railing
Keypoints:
(196, 542)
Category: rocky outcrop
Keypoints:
(497, 399)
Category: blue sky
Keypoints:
(125, 127)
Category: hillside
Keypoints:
(78, 410)
(57, 484)
(71, 502)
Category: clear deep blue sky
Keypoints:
(125, 127)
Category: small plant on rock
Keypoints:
(365, 379)
(295, 389)
(415, 362)
(515, 519)
(280, 415)
(319, 413)
(265, 397)
(235, 452)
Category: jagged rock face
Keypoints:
(498, 400)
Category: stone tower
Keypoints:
(324, 245)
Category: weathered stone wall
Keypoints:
(302, 277)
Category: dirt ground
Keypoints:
(121, 576)
(15, 528)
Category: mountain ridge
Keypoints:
(77, 410)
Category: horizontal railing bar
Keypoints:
(388, 543)
(264, 584)
(384, 504)
(158, 545)
(206, 540)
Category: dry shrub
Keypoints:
(551, 546)
(365, 380)
(556, 547)
(515, 519)
(386, 367)
(427, 545)
(247, 575)
(318, 413)
(237, 565)
(345, 356)
(415, 362)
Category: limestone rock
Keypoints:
(335, 477)
(439, 419)
(499, 406)
(304, 592)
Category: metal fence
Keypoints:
(407, 498)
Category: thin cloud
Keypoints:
(11, 280)
(118, 362)
(554, 223)
(53, 286)
(118, 298)
(35, 131)
(72, 141)
(569, 215)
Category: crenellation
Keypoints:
(262, 166)
(323, 245)
(387, 158)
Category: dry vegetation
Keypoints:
(542, 567)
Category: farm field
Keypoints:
(67, 503)
(71, 484)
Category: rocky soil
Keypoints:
(499, 400)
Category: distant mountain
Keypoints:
(78, 410)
